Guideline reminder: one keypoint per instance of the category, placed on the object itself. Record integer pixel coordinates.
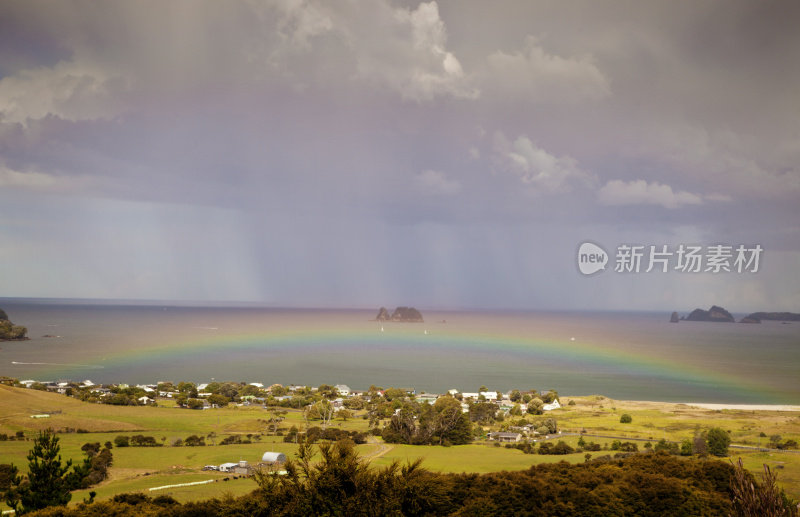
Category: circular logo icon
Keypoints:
(591, 258)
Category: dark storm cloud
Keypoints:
(453, 153)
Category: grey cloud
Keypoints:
(640, 192)
(331, 145)
(534, 75)
(537, 167)
(436, 182)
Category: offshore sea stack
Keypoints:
(715, 313)
(402, 314)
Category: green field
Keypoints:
(144, 468)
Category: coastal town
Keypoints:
(324, 402)
(192, 441)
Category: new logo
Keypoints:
(591, 258)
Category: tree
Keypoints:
(443, 423)
(194, 441)
(47, 481)
(668, 447)
(276, 416)
(195, 404)
(354, 403)
(482, 412)
(550, 396)
(394, 393)
(699, 445)
(550, 424)
(718, 441)
(7, 473)
(625, 419)
(322, 410)
(218, 400)
(182, 399)
(186, 387)
(535, 406)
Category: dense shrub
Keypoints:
(337, 482)
(139, 440)
(560, 448)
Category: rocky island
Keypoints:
(402, 314)
(758, 317)
(717, 313)
(9, 331)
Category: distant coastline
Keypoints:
(718, 314)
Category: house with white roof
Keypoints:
(343, 390)
(553, 405)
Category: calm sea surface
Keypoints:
(638, 356)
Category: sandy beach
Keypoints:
(649, 404)
(745, 407)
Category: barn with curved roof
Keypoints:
(273, 457)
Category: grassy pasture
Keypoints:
(139, 469)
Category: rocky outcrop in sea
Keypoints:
(401, 314)
(715, 313)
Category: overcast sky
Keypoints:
(361, 153)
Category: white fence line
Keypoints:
(179, 485)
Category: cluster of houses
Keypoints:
(269, 460)
(516, 434)
(58, 387)
(97, 389)
(502, 401)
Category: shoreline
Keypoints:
(710, 405)
(743, 407)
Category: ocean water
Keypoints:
(636, 356)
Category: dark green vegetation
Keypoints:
(315, 434)
(341, 483)
(442, 423)
(9, 331)
(718, 441)
(49, 481)
(590, 431)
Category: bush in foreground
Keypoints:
(341, 483)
